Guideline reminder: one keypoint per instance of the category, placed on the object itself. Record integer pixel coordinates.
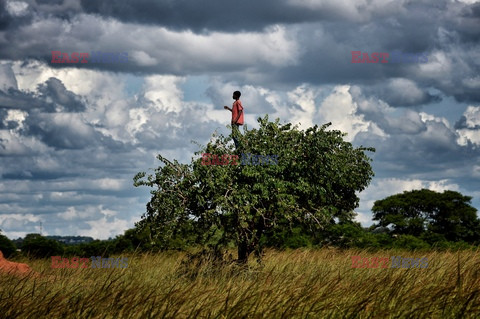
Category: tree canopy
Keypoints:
(314, 183)
(448, 214)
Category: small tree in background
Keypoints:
(315, 181)
(6, 246)
(38, 246)
(429, 214)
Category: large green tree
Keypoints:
(315, 181)
(416, 212)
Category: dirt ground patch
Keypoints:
(14, 268)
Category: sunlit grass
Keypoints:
(298, 283)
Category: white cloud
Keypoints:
(12, 143)
(304, 97)
(69, 214)
(17, 8)
(358, 10)
(472, 82)
(438, 133)
(165, 49)
(104, 228)
(405, 90)
(363, 218)
(16, 116)
(472, 114)
(164, 92)
(109, 183)
(340, 109)
(430, 117)
(470, 133)
(438, 66)
(16, 221)
(142, 58)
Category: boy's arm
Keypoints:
(227, 108)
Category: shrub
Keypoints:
(410, 242)
(38, 246)
(7, 246)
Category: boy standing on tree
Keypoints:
(237, 116)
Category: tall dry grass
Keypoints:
(290, 284)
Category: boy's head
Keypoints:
(236, 95)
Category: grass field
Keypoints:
(290, 284)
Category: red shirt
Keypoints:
(236, 108)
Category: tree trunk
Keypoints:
(242, 251)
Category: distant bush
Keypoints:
(7, 246)
(122, 244)
(287, 238)
(410, 242)
(102, 248)
(345, 235)
(35, 245)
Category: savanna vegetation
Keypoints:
(301, 283)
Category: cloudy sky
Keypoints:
(72, 136)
